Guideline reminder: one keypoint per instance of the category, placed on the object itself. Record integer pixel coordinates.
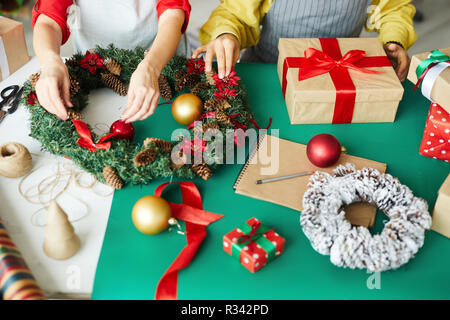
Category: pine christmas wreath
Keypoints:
(324, 223)
(116, 161)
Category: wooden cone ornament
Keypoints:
(60, 241)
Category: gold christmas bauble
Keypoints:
(187, 108)
(151, 214)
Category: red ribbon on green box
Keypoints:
(253, 244)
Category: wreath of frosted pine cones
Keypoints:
(130, 162)
(324, 223)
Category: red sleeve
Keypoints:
(184, 5)
(56, 10)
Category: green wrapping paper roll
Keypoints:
(16, 280)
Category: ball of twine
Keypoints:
(15, 160)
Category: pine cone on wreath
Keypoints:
(33, 79)
(74, 85)
(110, 81)
(202, 170)
(199, 88)
(73, 115)
(72, 62)
(180, 79)
(222, 104)
(112, 177)
(145, 157)
(164, 88)
(209, 77)
(113, 66)
(210, 105)
(182, 158)
(161, 144)
(223, 118)
(210, 125)
(191, 80)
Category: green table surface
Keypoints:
(131, 263)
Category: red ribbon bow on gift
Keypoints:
(331, 61)
(196, 219)
(85, 140)
(317, 62)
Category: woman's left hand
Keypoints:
(143, 93)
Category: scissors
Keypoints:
(10, 97)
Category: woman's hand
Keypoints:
(53, 87)
(225, 48)
(143, 93)
(399, 59)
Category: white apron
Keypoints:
(125, 23)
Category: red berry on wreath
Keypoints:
(323, 150)
(123, 130)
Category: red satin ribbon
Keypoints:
(196, 219)
(331, 61)
(85, 140)
(239, 140)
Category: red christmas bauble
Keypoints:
(323, 150)
(124, 130)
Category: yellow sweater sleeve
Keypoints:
(393, 21)
(240, 18)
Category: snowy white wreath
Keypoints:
(324, 223)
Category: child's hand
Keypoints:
(143, 93)
(399, 59)
(225, 48)
(53, 87)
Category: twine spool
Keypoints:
(15, 160)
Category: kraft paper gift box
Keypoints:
(349, 92)
(441, 212)
(435, 68)
(13, 48)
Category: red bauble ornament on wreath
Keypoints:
(122, 130)
(323, 150)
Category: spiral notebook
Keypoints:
(289, 193)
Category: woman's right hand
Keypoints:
(53, 87)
